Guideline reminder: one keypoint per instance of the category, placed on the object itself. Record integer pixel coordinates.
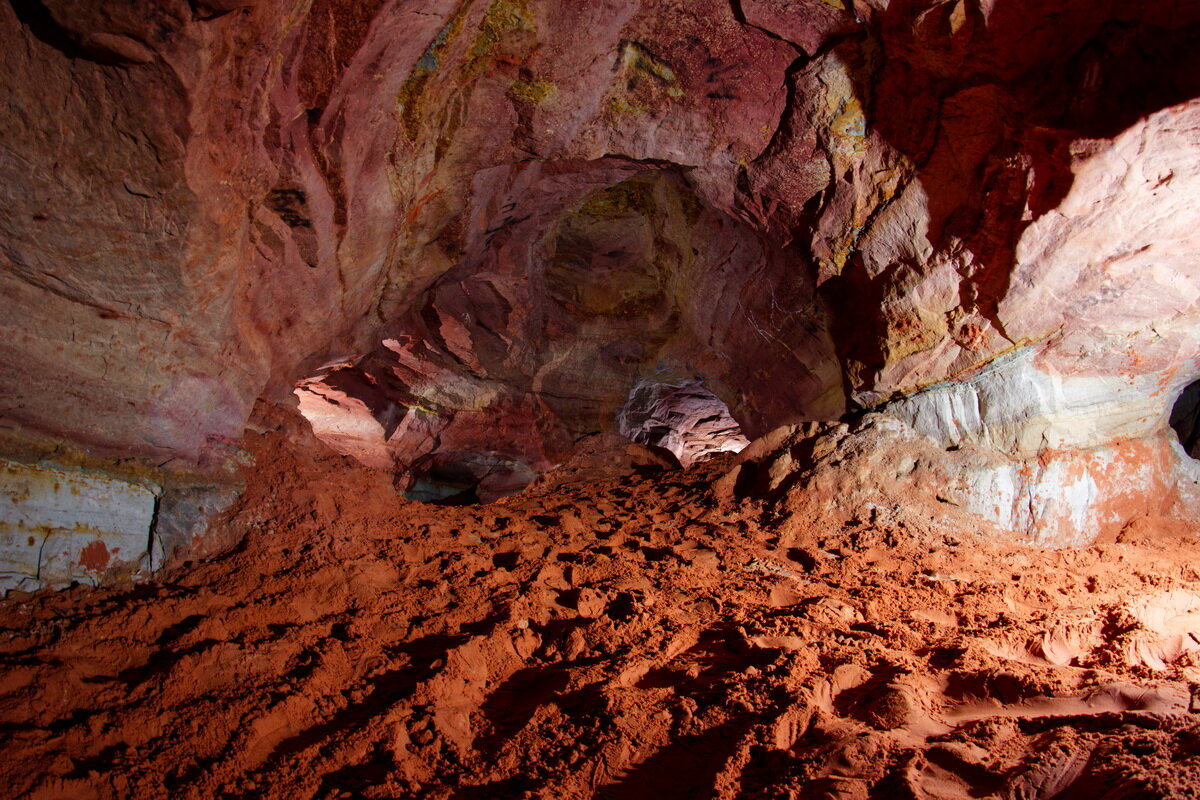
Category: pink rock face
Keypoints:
(473, 228)
(682, 417)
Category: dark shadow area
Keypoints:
(458, 478)
(685, 768)
(86, 45)
(514, 788)
(1185, 418)
(37, 18)
(512, 705)
(987, 109)
(355, 779)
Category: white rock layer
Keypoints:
(59, 526)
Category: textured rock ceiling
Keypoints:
(476, 226)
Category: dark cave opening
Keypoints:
(1185, 418)
(457, 478)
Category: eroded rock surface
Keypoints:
(682, 417)
(880, 468)
(471, 228)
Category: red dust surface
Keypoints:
(625, 637)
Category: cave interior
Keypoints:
(619, 399)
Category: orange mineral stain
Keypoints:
(94, 556)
